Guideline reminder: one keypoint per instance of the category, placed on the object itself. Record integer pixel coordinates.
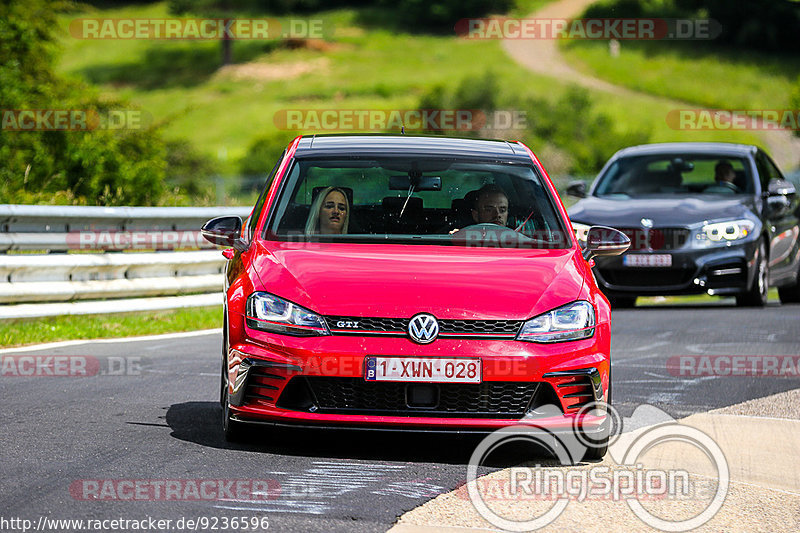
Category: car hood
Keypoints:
(390, 280)
(664, 211)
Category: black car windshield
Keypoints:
(676, 174)
(419, 200)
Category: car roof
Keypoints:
(715, 148)
(350, 145)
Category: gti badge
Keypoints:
(647, 222)
(423, 328)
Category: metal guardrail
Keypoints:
(129, 252)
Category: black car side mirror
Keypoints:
(777, 197)
(222, 230)
(602, 240)
(779, 187)
(577, 189)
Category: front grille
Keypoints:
(343, 325)
(656, 238)
(356, 396)
(646, 277)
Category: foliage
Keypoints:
(570, 124)
(262, 155)
(94, 165)
(767, 25)
(441, 15)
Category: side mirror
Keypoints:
(602, 240)
(222, 230)
(777, 197)
(778, 187)
(577, 188)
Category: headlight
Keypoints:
(567, 323)
(267, 312)
(718, 233)
(581, 231)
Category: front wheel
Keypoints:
(756, 295)
(791, 294)
(231, 428)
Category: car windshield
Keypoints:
(417, 201)
(676, 174)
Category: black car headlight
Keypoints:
(721, 233)
(569, 322)
(268, 312)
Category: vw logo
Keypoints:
(647, 222)
(423, 328)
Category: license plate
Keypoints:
(647, 260)
(430, 369)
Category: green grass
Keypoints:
(18, 332)
(693, 73)
(365, 67)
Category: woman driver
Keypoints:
(330, 213)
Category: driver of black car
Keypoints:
(724, 176)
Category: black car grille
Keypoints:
(656, 238)
(343, 325)
(335, 395)
(646, 277)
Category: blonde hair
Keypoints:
(312, 224)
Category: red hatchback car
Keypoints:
(421, 283)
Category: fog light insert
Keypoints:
(422, 396)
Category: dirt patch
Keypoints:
(263, 71)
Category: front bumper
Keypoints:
(726, 270)
(319, 382)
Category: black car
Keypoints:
(712, 218)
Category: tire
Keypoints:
(223, 387)
(790, 294)
(597, 452)
(622, 302)
(232, 429)
(756, 295)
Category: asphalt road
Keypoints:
(149, 417)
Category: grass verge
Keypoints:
(701, 75)
(18, 332)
